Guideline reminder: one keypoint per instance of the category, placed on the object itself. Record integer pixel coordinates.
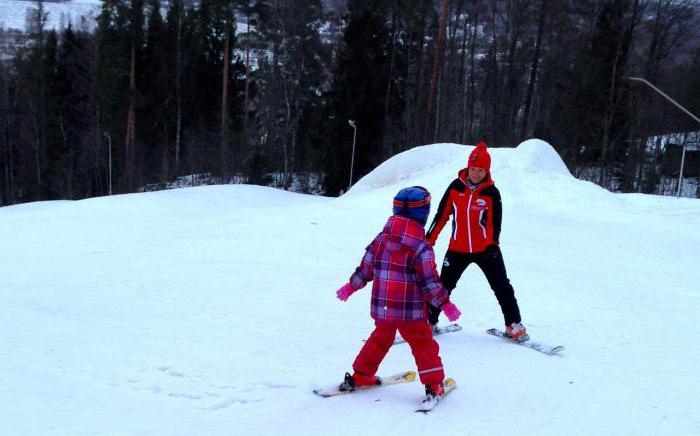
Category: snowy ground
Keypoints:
(212, 311)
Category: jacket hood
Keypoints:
(402, 230)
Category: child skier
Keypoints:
(402, 265)
(475, 205)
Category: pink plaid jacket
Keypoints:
(402, 265)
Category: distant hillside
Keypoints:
(79, 13)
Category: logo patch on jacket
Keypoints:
(479, 204)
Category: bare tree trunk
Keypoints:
(131, 121)
(9, 189)
(472, 73)
(246, 92)
(247, 66)
(287, 118)
(515, 17)
(407, 113)
(40, 110)
(450, 81)
(463, 80)
(96, 137)
(8, 170)
(620, 58)
(653, 58)
(224, 105)
(437, 63)
(288, 104)
(69, 180)
(438, 100)
(37, 144)
(607, 122)
(495, 79)
(524, 132)
(178, 89)
(417, 121)
(388, 131)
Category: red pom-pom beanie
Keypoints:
(479, 157)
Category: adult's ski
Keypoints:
(529, 343)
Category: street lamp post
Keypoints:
(352, 159)
(680, 175)
(109, 142)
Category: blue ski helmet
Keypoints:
(414, 203)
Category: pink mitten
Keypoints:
(345, 292)
(451, 311)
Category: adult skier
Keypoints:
(474, 203)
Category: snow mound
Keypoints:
(195, 200)
(535, 155)
(408, 165)
(220, 196)
(437, 161)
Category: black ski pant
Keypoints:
(491, 263)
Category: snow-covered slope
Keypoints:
(212, 310)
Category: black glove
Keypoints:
(492, 252)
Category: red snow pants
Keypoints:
(419, 337)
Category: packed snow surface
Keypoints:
(212, 310)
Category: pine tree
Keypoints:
(33, 65)
(175, 22)
(112, 82)
(157, 80)
(57, 153)
(6, 159)
(358, 94)
(294, 80)
(77, 115)
(135, 27)
(210, 32)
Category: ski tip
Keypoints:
(430, 402)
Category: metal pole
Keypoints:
(352, 159)
(680, 176)
(638, 79)
(109, 142)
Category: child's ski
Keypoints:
(430, 401)
(343, 388)
(542, 348)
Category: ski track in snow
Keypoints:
(200, 392)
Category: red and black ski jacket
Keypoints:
(476, 215)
